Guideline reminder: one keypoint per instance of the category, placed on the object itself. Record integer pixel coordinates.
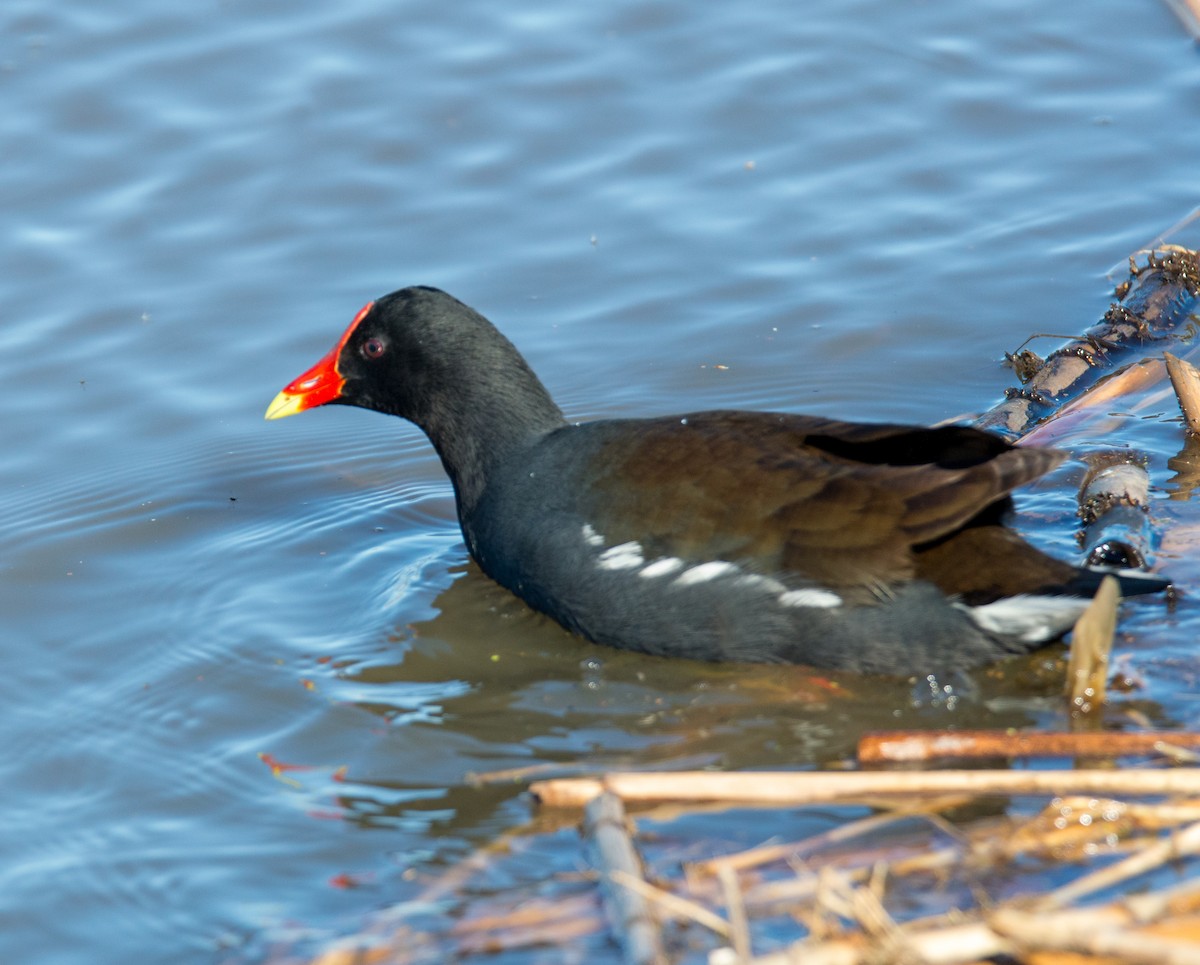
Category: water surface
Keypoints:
(247, 663)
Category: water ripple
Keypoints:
(243, 659)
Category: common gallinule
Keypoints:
(725, 535)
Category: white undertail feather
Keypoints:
(1027, 617)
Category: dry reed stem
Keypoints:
(1188, 12)
(528, 913)
(1132, 379)
(453, 880)
(540, 921)
(1186, 381)
(767, 853)
(947, 945)
(1011, 931)
(1085, 930)
(783, 788)
(1137, 817)
(629, 914)
(1091, 644)
(1035, 836)
(1182, 843)
(1180, 899)
(774, 894)
(1091, 410)
(1007, 932)
(674, 905)
(839, 894)
(739, 924)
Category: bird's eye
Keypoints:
(373, 348)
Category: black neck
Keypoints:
(477, 423)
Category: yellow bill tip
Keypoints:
(285, 404)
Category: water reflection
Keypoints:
(488, 685)
(1185, 465)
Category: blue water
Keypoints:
(849, 208)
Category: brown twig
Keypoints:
(1158, 299)
(895, 747)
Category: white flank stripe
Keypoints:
(626, 556)
(760, 583)
(825, 599)
(662, 567)
(705, 572)
(591, 537)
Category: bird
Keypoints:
(724, 535)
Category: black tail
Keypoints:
(1132, 582)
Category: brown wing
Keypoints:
(837, 502)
